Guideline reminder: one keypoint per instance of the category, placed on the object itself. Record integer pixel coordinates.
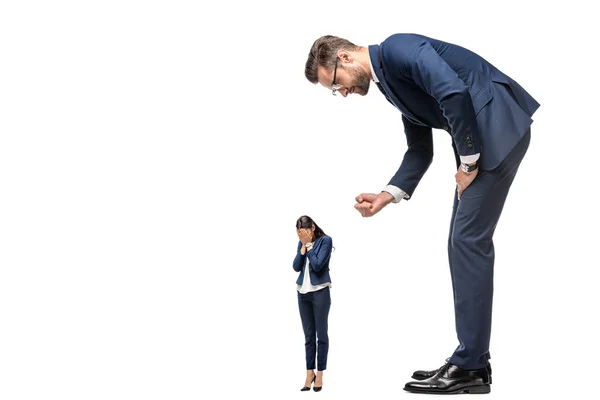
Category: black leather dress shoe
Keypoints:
(422, 375)
(450, 379)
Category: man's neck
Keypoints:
(364, 60)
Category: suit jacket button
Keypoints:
(470, 145)
(445, 127)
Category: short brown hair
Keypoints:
(323, 53)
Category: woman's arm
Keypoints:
(319, 258)
(300, 259)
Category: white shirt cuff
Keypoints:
(395, 191)
(469, 159)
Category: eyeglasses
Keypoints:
(334, 86)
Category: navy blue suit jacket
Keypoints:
(318, 260)
(440, 85)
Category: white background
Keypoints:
(155, 155)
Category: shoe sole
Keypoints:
(479, 389)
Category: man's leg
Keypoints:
(471, 251)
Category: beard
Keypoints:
(360, 80)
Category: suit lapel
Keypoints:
(376, 60)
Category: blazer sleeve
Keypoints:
(318, 258)
(417, 158)
(417, 60)
(300, 259)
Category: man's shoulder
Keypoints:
(400, 47)
(399, 38)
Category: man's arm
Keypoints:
(415, 58)
(417, 158)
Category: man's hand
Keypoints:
(464, 179)
(369, 204)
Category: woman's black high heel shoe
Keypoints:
(305, 388)
(317, 388)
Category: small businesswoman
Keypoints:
(312, 262)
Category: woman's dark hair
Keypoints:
(306, 222)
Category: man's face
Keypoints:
(347, 77)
